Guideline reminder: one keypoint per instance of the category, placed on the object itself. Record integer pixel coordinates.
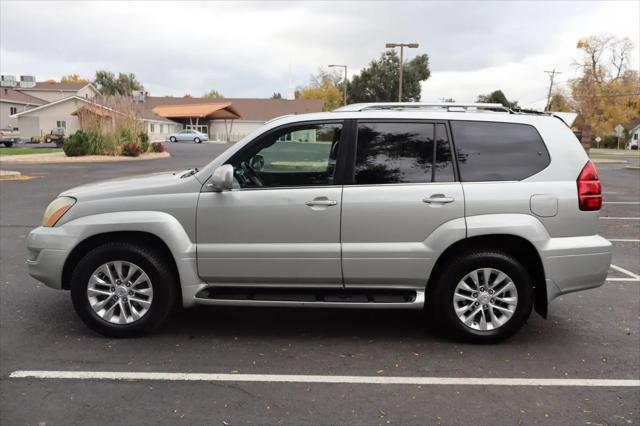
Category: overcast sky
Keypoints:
(247, 49)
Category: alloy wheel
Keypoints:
(485, 299)
(120, 292)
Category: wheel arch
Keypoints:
(520, 248)
(136, 237)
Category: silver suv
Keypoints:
(476, 213)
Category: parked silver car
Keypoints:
(475, 213)
(188, 135)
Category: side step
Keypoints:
(317, 298)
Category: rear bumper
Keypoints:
(575, 263)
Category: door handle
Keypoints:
(438, 199)
(321, 202)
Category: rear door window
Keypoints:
(402, 152)
(489, 151)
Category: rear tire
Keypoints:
(172, 139)
(8, 144)
(161, 280)
(455, 296)
(197, 140)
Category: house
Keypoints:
(19, 96)
(228, 119)
(51, 91)
(250, 113)
(12, 102)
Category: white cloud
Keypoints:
(245, 49)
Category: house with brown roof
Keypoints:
(19, 98)
(228, 119)
(12, 102)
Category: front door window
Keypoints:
(304, 155)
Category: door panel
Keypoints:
(385, 228)
(270, 236)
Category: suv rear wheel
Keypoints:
(482, 297)
(122, 290)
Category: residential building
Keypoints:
(12, 102)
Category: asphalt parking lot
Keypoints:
(593, 335)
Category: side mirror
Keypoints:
(222, 179)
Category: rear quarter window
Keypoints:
(489, 151)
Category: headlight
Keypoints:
(56, 210)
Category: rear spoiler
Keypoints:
(566, 117)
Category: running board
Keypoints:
(311, 298)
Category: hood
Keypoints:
(148, 184)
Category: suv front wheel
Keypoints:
(122, 290)
(482, 297)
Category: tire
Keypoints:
(59, 144)
(197, 140)
(161, 280)
(173, 139)
(448, 283)
(8, 144)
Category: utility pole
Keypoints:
(552, 76)
(401, 46)
(344, 87)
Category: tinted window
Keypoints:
(402, 153)
(498, 151)
(296, 156)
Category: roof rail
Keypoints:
(447, 106)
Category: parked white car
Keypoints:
(188, 135)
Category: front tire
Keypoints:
(8, 144)
(197, 140)
(172, 139)
(482, 297)
(122, 289)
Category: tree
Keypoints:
(73, 78)
(109, 84)
(187, 95)
(607, 92)
(497, 97)
(328, 92)
(379, 81)
(276, 95)
(213, 94)
(560, 102)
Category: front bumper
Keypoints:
(575, 263)
(47, 251)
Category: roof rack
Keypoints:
(403, 106)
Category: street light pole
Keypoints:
(401, 46)
(344, 86)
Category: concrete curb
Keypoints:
(597, 160)
(60, 158)
(632, 167)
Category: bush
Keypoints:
(143, 137)
(77, 144)
(131, 150)
(157, 147)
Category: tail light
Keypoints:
(589, 188)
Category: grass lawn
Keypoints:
(23, 151)
(601, 152)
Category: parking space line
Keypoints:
(623, 240)
(621, 202)
(626, 272)
(619, 218)
(296, 378)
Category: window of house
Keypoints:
(488, 151)
(162, 128)
(302, 155)
(61, 123)
(402, 152)
(152, 128)
(13, 110)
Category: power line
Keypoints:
(552, 75)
